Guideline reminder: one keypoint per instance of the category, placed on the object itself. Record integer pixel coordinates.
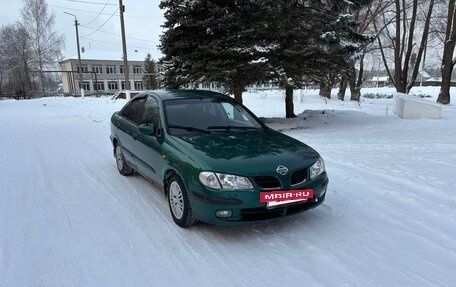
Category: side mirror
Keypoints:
(262, 120)
(148, 130)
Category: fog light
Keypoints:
(223, 213)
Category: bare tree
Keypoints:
(407, 36)
(46, 43)
(448, 62)
(16, 52)
(354, 78)
(367, 17)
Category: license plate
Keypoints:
(280, 197)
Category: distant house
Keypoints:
(425, 79)
(103, 72)
(378, 81)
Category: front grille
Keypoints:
(298, 176)
(267, 181)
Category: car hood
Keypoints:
(248, 152)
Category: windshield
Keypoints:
(203, 115)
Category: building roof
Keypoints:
(424, 74)
(380, 79)
(133, 55)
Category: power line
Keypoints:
(98, 13)
(79, 10)
(104, 14)
(89, 2)
(118, 35)
(115, 44)
(61, 30)
(102, 24)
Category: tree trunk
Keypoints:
(325, 90)
(447, 69)
(356, 80)
(289, 106)
(355, 86)
(444, 95)
(237, 91)
(27, 91)
(342, 88)
(448, 49)
(355, 92)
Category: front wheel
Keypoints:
(179, 205)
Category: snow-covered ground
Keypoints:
(67, 218)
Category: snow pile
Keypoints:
(67, 218)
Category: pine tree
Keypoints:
(312, 39)
(213, 41)
(237, 43)
(150, 74)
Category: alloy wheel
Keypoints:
(176, 200)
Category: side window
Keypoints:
(151, 112)
(134, 111)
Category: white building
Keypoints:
(103, 72)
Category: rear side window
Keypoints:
(134, 111)
(151, 113)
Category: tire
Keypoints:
(178, 202)
(121, 164)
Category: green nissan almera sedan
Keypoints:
(215, 160)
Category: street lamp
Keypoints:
(79, 53)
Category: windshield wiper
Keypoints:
(227, 128)
(190, 129)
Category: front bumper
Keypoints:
(245, 206)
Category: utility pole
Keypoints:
(124, 48)
(79, 54)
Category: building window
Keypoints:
(113, 86)
(85, 68)
(139, 85)
(122, 84)
(86, 86)
(137, 69)
(111, 69)
(122, 70)
(97, 69)
(99, 86)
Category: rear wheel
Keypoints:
(122, 165)
(179, 205)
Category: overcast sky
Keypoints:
(143, 20)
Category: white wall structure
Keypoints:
(103, 72)
(411, 107)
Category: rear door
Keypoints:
(128, 130)
(149, 147)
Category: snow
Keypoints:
(67, 218)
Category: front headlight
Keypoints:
(224, 181)
(317, 168)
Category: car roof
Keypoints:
(182, 94)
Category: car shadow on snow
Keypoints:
(310, 221)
